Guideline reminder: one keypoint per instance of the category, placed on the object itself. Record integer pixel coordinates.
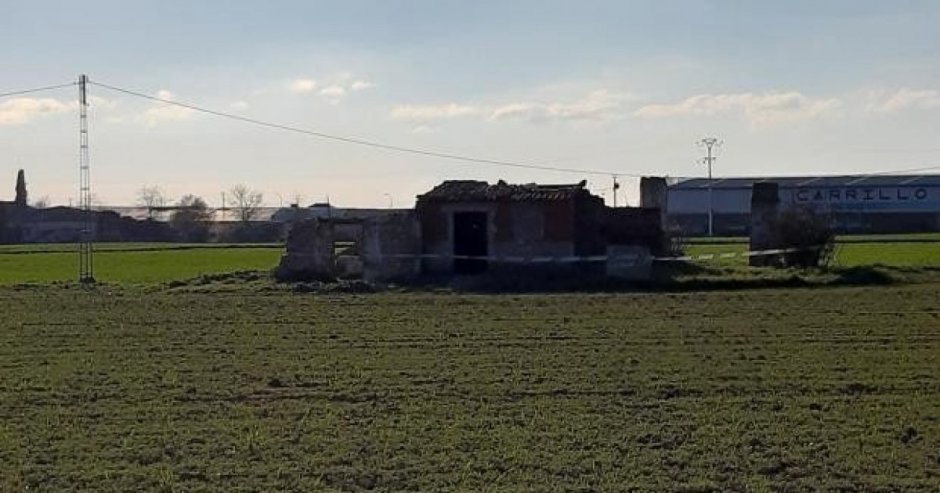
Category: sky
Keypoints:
(599, 87)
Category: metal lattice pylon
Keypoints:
(86, 236)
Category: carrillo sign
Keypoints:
(881, 198)
(860, 194)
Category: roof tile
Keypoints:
(473, 191)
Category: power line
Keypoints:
(363, 142)
(901, 171)
(37, 89)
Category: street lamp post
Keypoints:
(710, 143)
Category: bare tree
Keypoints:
(151, 197)
(246, 202)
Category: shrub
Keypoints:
(808, 232)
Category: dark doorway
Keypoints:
(470, 238)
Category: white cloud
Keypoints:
(434, 112)
(23, 110)
(239, 105)
(103, 103)
(333, 94)
(303, 86)
(333, 91)
(766, 108)
(424, 129)
(904, 99)
(162, 112)
(597, 106)
(361, 85)
(337, 86)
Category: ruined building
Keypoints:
(474, 218)
(470, 227)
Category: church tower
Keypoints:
(20, 200)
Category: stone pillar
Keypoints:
(654, 194)
(765, 199)
(309, 255)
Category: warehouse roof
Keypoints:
(810, 181)
(475, 191)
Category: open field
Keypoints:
(774, 389)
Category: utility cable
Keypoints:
(901, 171)
(38, 89)
(363, 142)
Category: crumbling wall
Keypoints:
(309, 254)
(534, 229)
(765, 200)
(636, 226)
(390, 246)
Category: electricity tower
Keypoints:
(86, 268)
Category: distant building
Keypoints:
(20, 223)
(322, 210)
(856, 204)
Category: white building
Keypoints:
(874, 203)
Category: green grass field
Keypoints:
(133, 263)
(148, 263)
(905, 254)
(870, 238)
(851, 251)
(117, 389)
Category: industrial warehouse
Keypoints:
(856, 204)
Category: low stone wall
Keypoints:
(629, 262)
(390, 246)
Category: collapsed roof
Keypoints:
(481, 191)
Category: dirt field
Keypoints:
(835, 388)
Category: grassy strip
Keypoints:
(23, 249)
(136, 267)
(887, 238)
(847, 254)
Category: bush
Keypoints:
(808, 232)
